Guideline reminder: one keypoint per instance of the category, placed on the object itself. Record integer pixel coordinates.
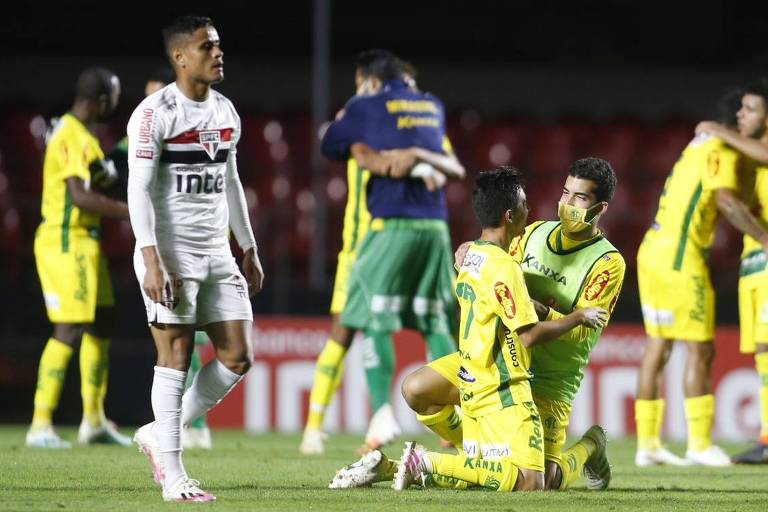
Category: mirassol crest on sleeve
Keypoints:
(597, 285)
(504, 296)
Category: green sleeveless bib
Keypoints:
(554, 273)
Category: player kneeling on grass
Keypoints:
(503, 442)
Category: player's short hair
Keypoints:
(599, 171)
(383, 64)
(183, 26)
(93, 83)
(495, 192)
(163, 74)
(728, 105)
(758, 87)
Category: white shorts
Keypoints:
(209, 288)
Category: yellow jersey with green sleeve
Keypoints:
(684, 226)
(69, 153)
(357, 218)
(494, 305)
(753, 259)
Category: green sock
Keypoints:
(379, 364)
(439, 345)
(195, 363)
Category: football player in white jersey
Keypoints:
(183, 195)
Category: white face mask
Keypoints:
(573, 218)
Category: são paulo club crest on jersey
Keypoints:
(210, 140)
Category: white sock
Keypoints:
(167, 388)
(211, 385)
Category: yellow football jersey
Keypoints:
(761, 209)
(687, 214)
(494, 305)
(357, 218)
(70, 151)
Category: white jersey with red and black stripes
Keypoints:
(190, 148)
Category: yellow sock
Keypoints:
(573, 460)
(94, 360)
(446, 424)
(649, 416)
(496, 475)
(50, 380)
(328, 371)
(699, 411)
(761, 363)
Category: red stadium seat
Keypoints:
(551, 150)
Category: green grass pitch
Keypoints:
(266, 472)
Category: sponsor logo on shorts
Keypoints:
(597, 285)
(658, 316)
(697, 312)
(147, 154)
(504, 296)
(491, 451)
(465, 375)
(81, 294)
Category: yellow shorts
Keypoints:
(677, 304)
(448, 366)
(753, 311)
(514, 432)
(341, 282)
(555, 417)
(75, 282)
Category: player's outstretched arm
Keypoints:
(753, 148)
(92, 201)
(542, 332)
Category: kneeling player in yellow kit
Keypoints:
(568, 265)
(503, 431)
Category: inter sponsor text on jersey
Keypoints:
(190, 145)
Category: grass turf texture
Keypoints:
(266, 472)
